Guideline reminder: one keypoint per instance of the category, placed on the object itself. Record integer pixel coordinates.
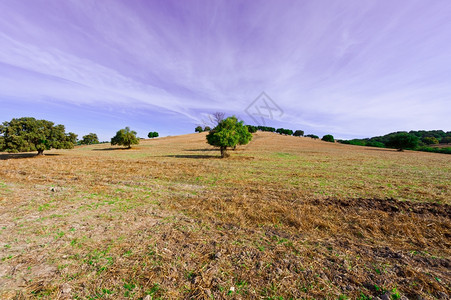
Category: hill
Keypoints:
(284, 217)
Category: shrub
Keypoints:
(429, 140)
(375, 144)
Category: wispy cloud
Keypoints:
(350, 68)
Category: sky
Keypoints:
(355, 68)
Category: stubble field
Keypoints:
(282, 218)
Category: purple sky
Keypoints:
(350, 68)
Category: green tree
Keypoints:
(429, 140)
(125, 137)
(328, 138)
(28, 134)
(207, 128)
(402, 141)
(153, 134)
(198, 129)
(445, 140)
(227, 134)
(298, 133)
(90, 139)
(315, 137)
(251, 128)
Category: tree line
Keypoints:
(282, 131)
(28, 134)
(421, 140)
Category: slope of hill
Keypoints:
(284, 217)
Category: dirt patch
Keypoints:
(391, 206)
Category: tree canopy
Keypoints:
(313, 136)
(403, 141)
(328, 138)
(298, 133)
(152, 134)
(125, 137)
(200, 129)
(28, 134)
(284, 131)
(228, 133)
(90, 139)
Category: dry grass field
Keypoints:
(282, 218)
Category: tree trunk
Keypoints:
(40, 152)
(224, 153)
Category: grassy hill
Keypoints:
(284, 217)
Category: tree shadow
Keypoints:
(194, 156)
(201, 150)
(381, 149)
(111, 149)
(7, 156)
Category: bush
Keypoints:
(198, 129)
(429, 140)
(328, 138)
(375, 144)
(446, 150)
(315, 137)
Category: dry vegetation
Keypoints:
(283, 218)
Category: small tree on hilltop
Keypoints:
(152, 134)
(28, 134)
(198, 129)
(328, 138)
(207, 128)
(402, 141)
(313, 136)
(298, 133)
(125, 137)
(227, 134)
